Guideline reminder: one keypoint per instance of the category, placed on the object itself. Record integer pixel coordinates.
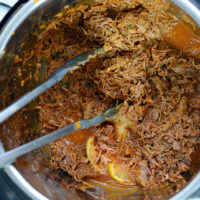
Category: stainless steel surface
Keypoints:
(10, 156)
(19, 180)
(27, 13)
(53, 79)
(191, 7)
(23, 184)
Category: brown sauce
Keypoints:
(184, 39)
(79, 137)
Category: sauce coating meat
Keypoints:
(159, 85)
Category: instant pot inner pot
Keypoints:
(24, 126)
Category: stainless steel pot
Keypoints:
(16, 28)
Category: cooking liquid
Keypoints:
(183, 38)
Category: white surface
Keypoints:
(194, 199)
(9, 2)
(3, 11)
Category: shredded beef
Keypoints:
(159, 85)
(72, 159)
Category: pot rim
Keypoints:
(6, 33)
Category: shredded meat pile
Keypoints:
(159, 85)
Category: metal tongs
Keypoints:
(10, 156)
